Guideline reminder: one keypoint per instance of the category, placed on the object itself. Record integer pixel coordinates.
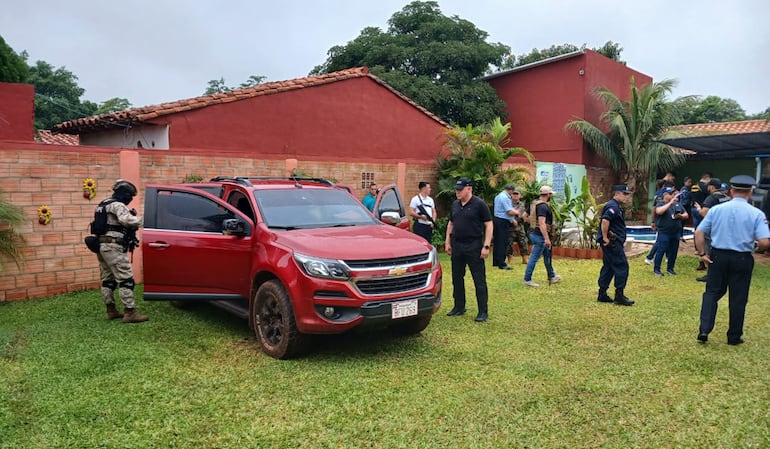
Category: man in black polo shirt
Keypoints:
(468, 236)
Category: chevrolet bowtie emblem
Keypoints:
(398, 271)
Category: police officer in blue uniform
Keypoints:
(612, 237)
(734, 227)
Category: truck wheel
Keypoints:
(274, 323)
(412, 327)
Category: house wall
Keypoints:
(17, 111)
(56, 259)
(155, 137)
(542, 99)
(359, 120)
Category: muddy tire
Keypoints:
(274, 323)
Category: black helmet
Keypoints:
(125, 186)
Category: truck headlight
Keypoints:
(322, 268)
(433, 257)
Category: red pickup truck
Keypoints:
(294, 256)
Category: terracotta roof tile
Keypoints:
(46, 136)
(720, 128)
(128, 117)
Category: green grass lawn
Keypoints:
(552, 368)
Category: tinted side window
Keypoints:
(183, 211)
(390, 203)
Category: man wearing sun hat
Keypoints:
(736, 229)
(612, 238)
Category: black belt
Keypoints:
(108, 239)
(730, 251)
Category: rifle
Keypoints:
(422, 210)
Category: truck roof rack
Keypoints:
(246, 180)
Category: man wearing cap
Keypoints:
(541, 240)
(734, 227)
(670, 215)
(517, 233)
(716, 197)
(612, 238)
(504, 215)
(699, 194)
(468, 239)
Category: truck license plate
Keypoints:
(403, 309)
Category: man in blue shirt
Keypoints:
(734, 227)
(370, 197)
(503, 216)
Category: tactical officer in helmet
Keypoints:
(119, 238)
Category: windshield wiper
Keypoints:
(286, 228)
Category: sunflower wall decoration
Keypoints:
(44, 214)
(89, 188)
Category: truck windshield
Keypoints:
(310, 208)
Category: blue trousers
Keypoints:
(614, 264)
(539, 249)
(668, 244)
(731, 269)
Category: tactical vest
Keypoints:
(99, 226)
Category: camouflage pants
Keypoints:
(517, 235)
(114, 268)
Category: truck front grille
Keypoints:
(381, 263)
(393, 284)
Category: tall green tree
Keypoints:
(478, 153)
(633, 128)
(219, 86)
(113, 105)
(712, 109)
(13, 67)
(610, 49)
(57, 95)
(764, 115)
(433, 59)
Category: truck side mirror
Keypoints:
(391, 218)
(233, 226)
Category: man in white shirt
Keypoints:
(423, 210)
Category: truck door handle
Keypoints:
(158, 245)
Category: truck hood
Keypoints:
(354, 242)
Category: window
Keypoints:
(367, 178)
(183, 211)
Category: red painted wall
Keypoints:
(17, 111)
(542, 99)
(351, 120)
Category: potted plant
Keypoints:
(587, 216)
(10, 240)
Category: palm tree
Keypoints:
(478, 153)
(630, 145)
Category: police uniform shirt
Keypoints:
(613, 213)
(735, 225)
(667, 223)
(503, 204)
(715, 199)
(543, 210)
(468, 222)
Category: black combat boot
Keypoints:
(621, 299)
(603, 296)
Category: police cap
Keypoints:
(744, 182)
(716, 182)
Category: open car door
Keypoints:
(389, 207)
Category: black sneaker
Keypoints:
(671, 272)
(702, 279)
(604, 298)
(623, 301)
(703, 337)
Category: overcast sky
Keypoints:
(164, 50)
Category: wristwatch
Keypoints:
(486, 246)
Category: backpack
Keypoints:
(99, 225)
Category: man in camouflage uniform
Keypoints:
(114, 265)
(517, 233)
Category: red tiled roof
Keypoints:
(46, 136)
(129, 116)
(720, 128)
